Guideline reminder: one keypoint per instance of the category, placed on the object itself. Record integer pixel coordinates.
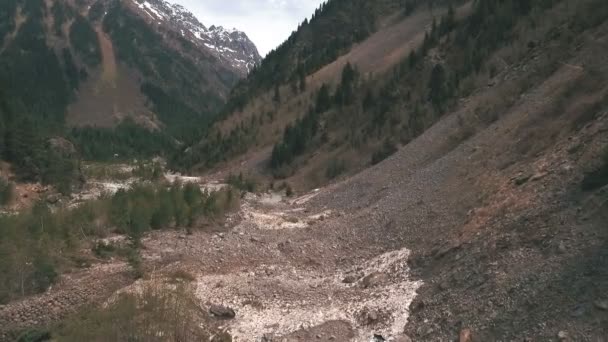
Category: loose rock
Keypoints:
(222, 312)
(374, 279)
(601, 304)
(402, 338)
(466, 336)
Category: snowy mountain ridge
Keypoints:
(231, 46)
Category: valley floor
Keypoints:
(288, 271)
(484, 236)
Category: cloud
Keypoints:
(267, 22)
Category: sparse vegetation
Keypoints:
(157, 312)
(182, 275)
(84, 41)
(6, 191)
(363, 111)
(36, 245)
(243, 183)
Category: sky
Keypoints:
(267, 23)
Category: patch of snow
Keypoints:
(151, 9)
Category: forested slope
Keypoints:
(103, 76)
(321, 126)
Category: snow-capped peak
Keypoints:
(229, 45)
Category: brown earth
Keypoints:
(110, 95)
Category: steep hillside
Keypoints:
(133, 78)
(232, 47)
(371, 37)
(354, 106)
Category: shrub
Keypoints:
(36, 244)
(156, 313)
(103, 250)
(288, 190)
(182, 275)
(388, 148)
(151, 172)
(34, 335)
(242, 183)
(44, 274)
(6, 192)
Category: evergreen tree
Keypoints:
(437, 86)
(323, 102)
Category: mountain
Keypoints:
(301, 76)
(421, 170)
(385, 73)
(115, 77)
(232, 47)
(472, 132)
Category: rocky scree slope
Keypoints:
(326, 121)
(507, 237)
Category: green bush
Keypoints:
(34, 335)
(242, 183)
(103, 250)
(6, 192)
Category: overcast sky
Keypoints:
(267, 22)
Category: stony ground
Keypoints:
(483, 236)
(285, 270)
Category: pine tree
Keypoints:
(437, 86)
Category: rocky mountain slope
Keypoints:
(117, 78)
(108, 60)
(375, 37)
(231, 46)
(462, 153)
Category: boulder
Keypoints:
(222, 312)
(466, 335)
(53, 199)
(402, 338)
(563, 336)
(351, 279)
(601, 304)
(374, 279)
